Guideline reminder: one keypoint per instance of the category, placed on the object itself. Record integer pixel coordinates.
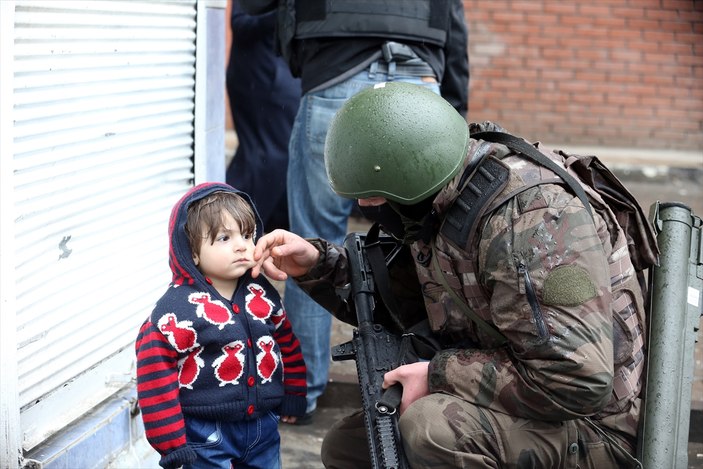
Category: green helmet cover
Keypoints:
(395, 140)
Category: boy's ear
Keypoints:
(196, 259)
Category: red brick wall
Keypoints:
(621, 73)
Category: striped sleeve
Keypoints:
(294, 370)
(157, 392)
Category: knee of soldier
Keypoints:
(333, 448)
(344, 445)
(328, 450)
(437, 422)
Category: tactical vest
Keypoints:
(401, 20)
(456, 252)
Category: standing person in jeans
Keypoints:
(263, 99)
(337, 53)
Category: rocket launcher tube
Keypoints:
(675, 310)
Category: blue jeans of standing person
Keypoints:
(246, 444)
(315, 211)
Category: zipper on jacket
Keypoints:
(534, 304)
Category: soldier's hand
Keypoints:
(282, 253)
(413, 377)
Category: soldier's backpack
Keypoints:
(674, 299)
(590, 171)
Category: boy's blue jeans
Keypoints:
(250, 444)
(315, 211)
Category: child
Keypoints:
(217, 361)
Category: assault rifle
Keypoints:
(375, 350)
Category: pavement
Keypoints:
(666, 179)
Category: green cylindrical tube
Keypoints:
(673, 320)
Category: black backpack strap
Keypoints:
(488, 176)
(521, 146)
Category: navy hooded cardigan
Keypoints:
(211, 357)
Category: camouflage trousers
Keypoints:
(440, 431)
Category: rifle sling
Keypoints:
(377, 261)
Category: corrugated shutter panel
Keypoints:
(104, 106)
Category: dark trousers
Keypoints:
(441, 431)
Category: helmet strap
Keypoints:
(419, 219)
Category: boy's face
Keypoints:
(229, 256)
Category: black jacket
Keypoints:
(319, 60)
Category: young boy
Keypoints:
(217, 361)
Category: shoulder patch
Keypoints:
(568, 285)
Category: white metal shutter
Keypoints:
(103, 146)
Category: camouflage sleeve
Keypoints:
(327, 282)
(544, 266)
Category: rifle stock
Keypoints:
(375, 351)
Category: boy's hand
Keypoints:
(282, 253)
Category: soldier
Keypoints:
(529, 288)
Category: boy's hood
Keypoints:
(179, 255)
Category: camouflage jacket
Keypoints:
(557, 282)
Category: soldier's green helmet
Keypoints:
(395, 140)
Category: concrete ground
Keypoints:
(301, 444)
